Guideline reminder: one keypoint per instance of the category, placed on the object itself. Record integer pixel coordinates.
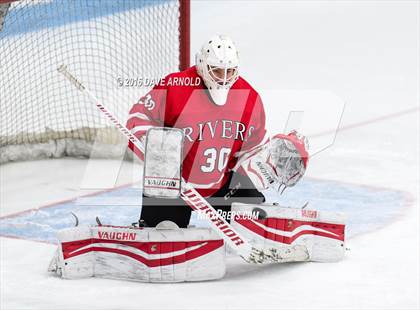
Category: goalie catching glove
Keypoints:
(279, 164)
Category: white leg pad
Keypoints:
(322, 233)
(140, 254)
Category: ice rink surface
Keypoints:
(366, 54)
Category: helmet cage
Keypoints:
(228, 77)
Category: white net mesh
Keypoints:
(111, 46)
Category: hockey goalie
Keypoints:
(205, 127)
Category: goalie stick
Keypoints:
(241, 245)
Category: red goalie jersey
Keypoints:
(215, 136)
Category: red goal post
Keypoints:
(111, 45)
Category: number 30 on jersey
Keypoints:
(215, 160)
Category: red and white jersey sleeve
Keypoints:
(146, 113)
(257, 135)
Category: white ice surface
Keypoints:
(364, 52)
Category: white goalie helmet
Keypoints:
(217, 64)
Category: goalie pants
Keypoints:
(238, 188)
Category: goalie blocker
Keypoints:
(163, 162)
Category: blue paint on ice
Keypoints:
(367, 209)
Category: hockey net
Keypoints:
(116, 48)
